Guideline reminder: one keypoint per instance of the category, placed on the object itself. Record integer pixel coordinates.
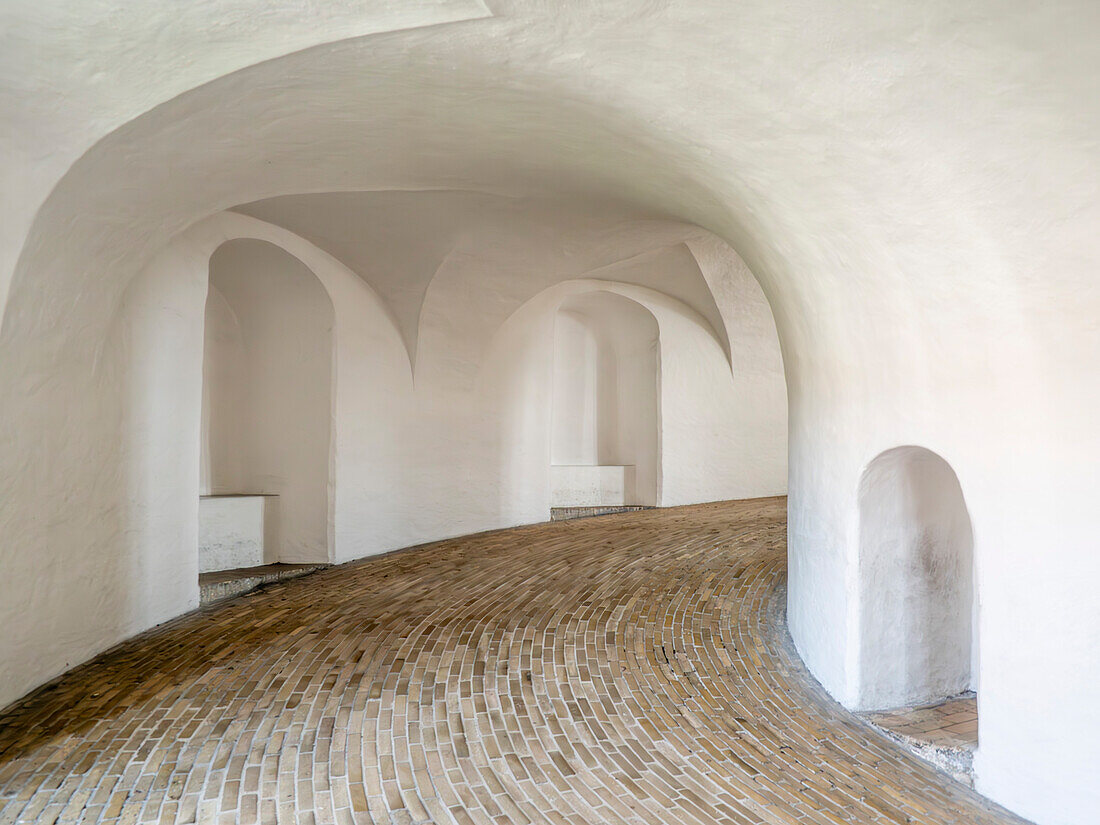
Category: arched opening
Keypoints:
(266, 411)
(917, 581)
(604, 429)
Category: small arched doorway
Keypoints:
(917, 600)
(604, 423)
(266, 411)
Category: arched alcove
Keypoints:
(604, 424)
(266, 410)
(916, 581)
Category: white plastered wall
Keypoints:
(913, 184)
(224, 399)
(574, 436)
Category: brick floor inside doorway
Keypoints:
(944, 733)
(627, 669)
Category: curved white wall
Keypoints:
(915, 188)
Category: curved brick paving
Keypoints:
(630, 669)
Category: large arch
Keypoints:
(731, 447)
(140, 567)
(923, 267)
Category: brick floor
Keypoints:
(628, 669)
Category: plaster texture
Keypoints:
(914, 186)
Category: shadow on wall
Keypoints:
(917, 581)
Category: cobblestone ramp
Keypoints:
(631, 669)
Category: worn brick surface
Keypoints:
(629, 669)
(222, 584)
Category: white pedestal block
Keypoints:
(234, 531)
(604, 485)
